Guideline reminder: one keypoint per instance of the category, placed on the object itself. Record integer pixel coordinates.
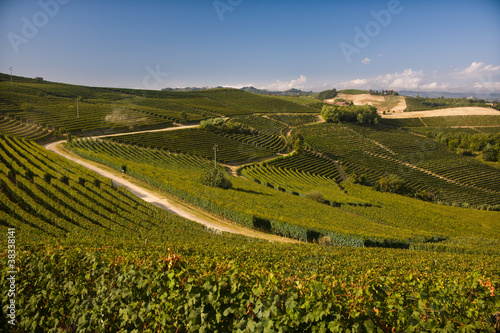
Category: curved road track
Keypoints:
(161, 201)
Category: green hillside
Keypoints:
(396, 225)
(96, 251)
(53, 106)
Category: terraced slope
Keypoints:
(30, 131)
(423, 163)
(201, 142)
(44, 195)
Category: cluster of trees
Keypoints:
(220, 125)
(466, 144)
(392, 183)
(327, 94)
(383, 92)
(215, 178)
(363, 115)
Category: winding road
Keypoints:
(160, 200)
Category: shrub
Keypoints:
(391, 183)
(216, 178)
(64, 179)
(47, 177)
(299, 144)
(325, 240)
(316, 196)
(464, 152)
(362, 179)
(490, 154)
(327, 94)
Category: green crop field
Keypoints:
(92, 256)
(421, 162)
(201, 142)
(360, 218)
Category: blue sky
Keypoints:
(311, 45)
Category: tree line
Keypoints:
(362, 115)
(466, 144)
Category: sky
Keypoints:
(424, 45)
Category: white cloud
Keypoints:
(479, 68)
(281, 86)
(478, 77)
(366, 61)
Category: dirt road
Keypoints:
(169, 204)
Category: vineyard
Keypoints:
(309, 163)
(276, 202)
(25, 130)
(199, 142)
(54, 106)
(92, 256)
(423, 163)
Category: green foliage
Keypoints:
(353, 91)
(316, 196)
(392, 184)
(294, 216)
(383, 92)
(29, 129)
(100, 259)
(211, 123)
(298, 145)
(265, 124)
(106, 109)
(93, 257)
(201, 142)
(294, 120)
(106, 289)
(430, 103)
(466, 143)
(490, 153)
(327, 94)
(443, 121)
(422, 163)
(215, 178)
(361, 179)
(363, 115)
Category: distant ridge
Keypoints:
(289, 92)
(435, 94)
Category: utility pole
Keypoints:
(77, 108)
(10, 76)
(215, 150)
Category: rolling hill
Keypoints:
(394, 229)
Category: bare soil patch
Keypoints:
(461, 111)
(383, 103)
